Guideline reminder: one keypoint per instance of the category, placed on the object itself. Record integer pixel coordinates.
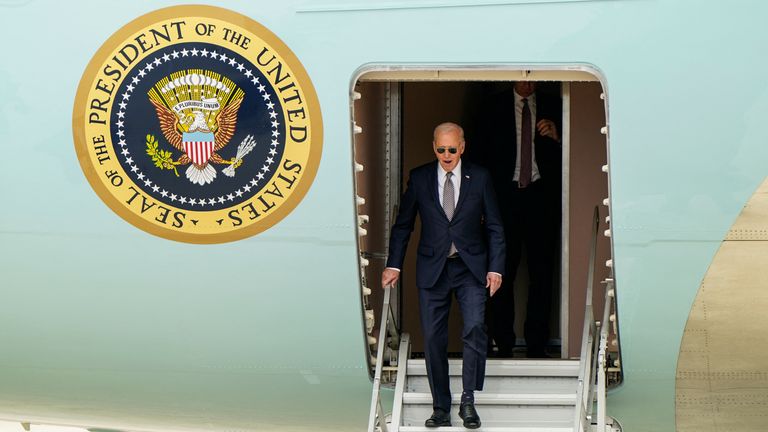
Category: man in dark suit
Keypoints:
(461, 251)
(522, 150)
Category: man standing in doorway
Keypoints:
(523, 153)
(460, 252)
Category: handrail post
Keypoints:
(603, 358)
(402, 370)
(584, 385)
(585, 389)
(601, 384)
(375, 395)
(593, 375)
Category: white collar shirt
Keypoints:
(455, 179)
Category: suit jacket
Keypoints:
(497, 135)
(476, 227)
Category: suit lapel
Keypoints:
(466, 184)
(434, 189)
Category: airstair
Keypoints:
(519, 395)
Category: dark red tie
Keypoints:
(526, 141)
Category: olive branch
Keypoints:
(162, 158)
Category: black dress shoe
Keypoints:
(468, 413)
(438, 418)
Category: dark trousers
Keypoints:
(531, 221)
(434, 305)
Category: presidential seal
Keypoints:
(197, 124)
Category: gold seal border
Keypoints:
(306, 179)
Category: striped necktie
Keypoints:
(449, 204)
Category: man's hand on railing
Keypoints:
(389, 277)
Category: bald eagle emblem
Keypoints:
(197, 111)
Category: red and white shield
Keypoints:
(199, 146)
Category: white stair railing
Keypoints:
(585, 388)
(593, 382)
(602, 358)
(388, 336)
(403, 355)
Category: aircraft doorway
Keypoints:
(394, 119)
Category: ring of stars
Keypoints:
(248, 74)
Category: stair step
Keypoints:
(504, 384)
(482, 398)
(520, 416)
(519, 396)
(487, 429)
(494, 367)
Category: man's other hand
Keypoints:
(547, 128)
(493, 282)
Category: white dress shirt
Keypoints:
(518, 124)
(456, 180)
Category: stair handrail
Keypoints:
(589, 356)
(602, 357)
(387, 326)
(593, 382)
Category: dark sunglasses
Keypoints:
(451, 150)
